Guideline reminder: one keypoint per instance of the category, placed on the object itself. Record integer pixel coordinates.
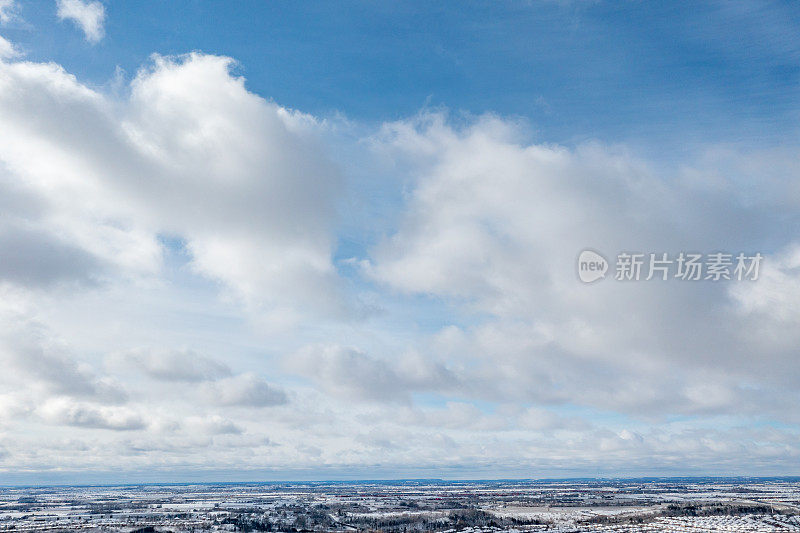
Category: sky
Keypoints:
(312, 240)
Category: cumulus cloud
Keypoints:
(173, 365)
(70, 413)
(88, 16)
(350, 372)
(214, 381)
(59, 200)
(33, 357)
(777, 295)
(540, 419)
(494, 224)
(245, 390)
(243, 182)
(250, 188)
(35, 258)
(213, 425)
(191, 187)
(7, 49)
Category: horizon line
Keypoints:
(409, 480)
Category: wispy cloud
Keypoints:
(8, 11)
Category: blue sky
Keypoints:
(314, 240)
(619, 71)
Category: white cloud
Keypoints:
(130, 216)
(54, 196)
(173, 365)
(494, 224)
(248, 184)
(352, 373)
(776, 296)
(192, 154)
(67, 412)
(7, 49)
(41, 259)
(245, 390)
(213, 425)
(88, 16)
(32, 356)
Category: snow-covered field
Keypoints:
(445, 507)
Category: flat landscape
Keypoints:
(695, 504)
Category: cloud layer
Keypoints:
(177, 294)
